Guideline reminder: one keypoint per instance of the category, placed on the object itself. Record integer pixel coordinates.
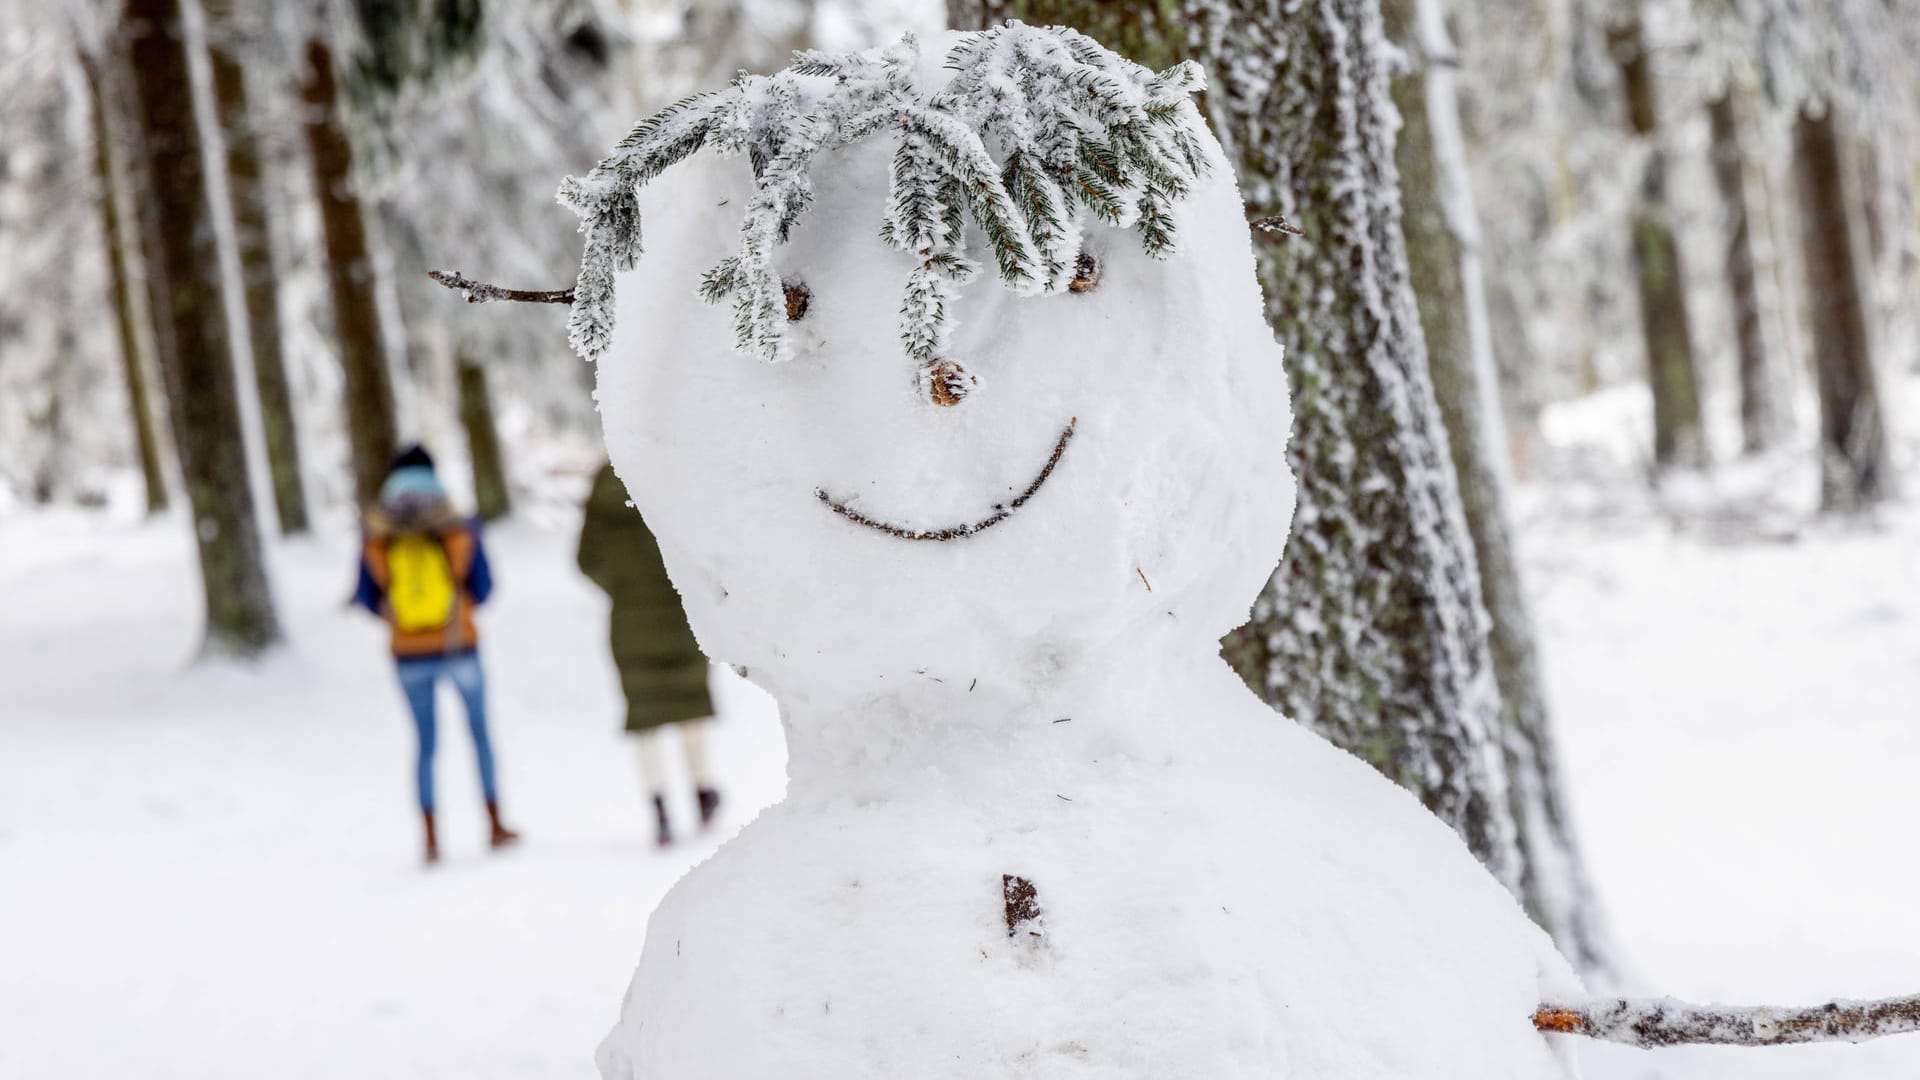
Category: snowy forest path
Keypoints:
(212, 871)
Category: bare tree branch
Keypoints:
(1666, 1022)
(1278, 223)
(479, 292)
(1001, 512)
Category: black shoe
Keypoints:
(664, 835)
(709, 805)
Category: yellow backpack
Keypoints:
(420, 585)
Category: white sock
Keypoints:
(693, 741)
(653, 767)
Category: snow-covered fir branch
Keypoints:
(1038, 127)
(1666, 1022)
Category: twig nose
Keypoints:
(946, 382)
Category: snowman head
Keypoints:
(868, 480)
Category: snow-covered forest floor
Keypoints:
(213, 873)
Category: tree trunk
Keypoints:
(121, 243)
(1442, 240)
(350, 277)
(1371, 632)
(260, 282)
(202, 395)
(1150, 32)
(1678, 437)
(1855, 472)
(490, 497)
(1760, 425)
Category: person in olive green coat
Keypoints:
(662, 670)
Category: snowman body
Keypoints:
(1036, 694)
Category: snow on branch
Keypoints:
(1666, 1022)
(1037, 128)
(479, 292)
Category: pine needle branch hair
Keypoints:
(1038, 128)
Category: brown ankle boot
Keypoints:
(501, 835)
(433, 841)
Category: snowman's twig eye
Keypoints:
(1086, 274)
(799, 298)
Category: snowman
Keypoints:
(980, 539)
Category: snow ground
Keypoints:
(213, 873)
(1737, 720)
(208, 872)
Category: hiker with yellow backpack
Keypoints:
(423, 570)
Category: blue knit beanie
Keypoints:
(411, 480)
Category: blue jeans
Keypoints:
(418, 678)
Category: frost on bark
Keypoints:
(371, 430)
(490, 497)
(122, 243)
(1855, 472)
(1442, 239)
(1678, 438)
(1760, 419)
(1371, 631)
(259, 280)
(192, 324)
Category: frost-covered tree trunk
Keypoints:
(121, 244)
(1678, 437)
(490, 497)
(259, 280)
(371, 422)
(1150, 32)
(1371, 631)
(192, 324)
(1855, 472)
(1442, 238)
(1760, 408)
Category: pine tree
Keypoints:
(259, 278)
(1840, 69)
(490, 496)
(1855, 472)
(1761, 420)
(372, 430)
(1441, 228)
(122, 244)
(1372, 630)
(192, 329)
(1678, 436)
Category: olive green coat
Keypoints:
(662, 669)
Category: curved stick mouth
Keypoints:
(1001, 511)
